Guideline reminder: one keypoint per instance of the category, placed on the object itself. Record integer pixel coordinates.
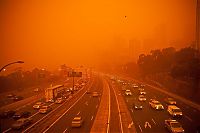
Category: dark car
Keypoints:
(21, 123)
(137, 106)
(18, 98)
(7, 114)
(24, 114)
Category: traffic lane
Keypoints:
(86, 107)
(6, 123)
(90, 110)
(190, 119)
(47, 120)
(35, 114)
(114, 114)
(151, 93)
(28, 92)
(147, 119)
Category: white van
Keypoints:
(174, 110)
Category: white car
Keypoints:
(142, 98)
(77, 121)
(38, 105)
(45, 109)
(156, 104)
(174, 111)
(95, 94)
(174, 126)
(128, 93)
(143, 93)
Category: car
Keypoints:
(174, 126)
(95, 94)
(36, 90)
(51, 100)
(45, 109)
(18, 98)
(135, 86)
(65, 96)
(142, 85)
(77, 121)
(170, 101)
(88, 92)
(24, 114)
(59, 100)
(156, 104)
(38, 105)
(137, 106)
(142, 98)
(21, 123)
(141, 89)
(128, 93)
(174, 111)
(142, 93)
(11, 96)
(7, 114)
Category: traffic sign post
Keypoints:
(74, 74)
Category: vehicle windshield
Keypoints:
(176, 125)
(177, 110)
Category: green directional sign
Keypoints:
(74, 74)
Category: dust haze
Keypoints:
(49, 33)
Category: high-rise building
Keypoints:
(135, 49)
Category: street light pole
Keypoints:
(11, 64)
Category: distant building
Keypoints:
(135, 49)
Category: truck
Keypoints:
(52, 92)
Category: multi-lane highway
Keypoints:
(151, 120)
(42, 121)
(111, 111)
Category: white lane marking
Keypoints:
(78, 113)
(63, 114)
(65, 130)
(188, 118)
(108, 121)
(140, 128)
(97, 106)
(130, 125)
(56, 109)
(147, 124)
(153, 121)
(34, 114)
(6, 130)
(92, 118)
(120, 117)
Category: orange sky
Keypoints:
(48, 33)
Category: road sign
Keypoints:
(75, 74)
